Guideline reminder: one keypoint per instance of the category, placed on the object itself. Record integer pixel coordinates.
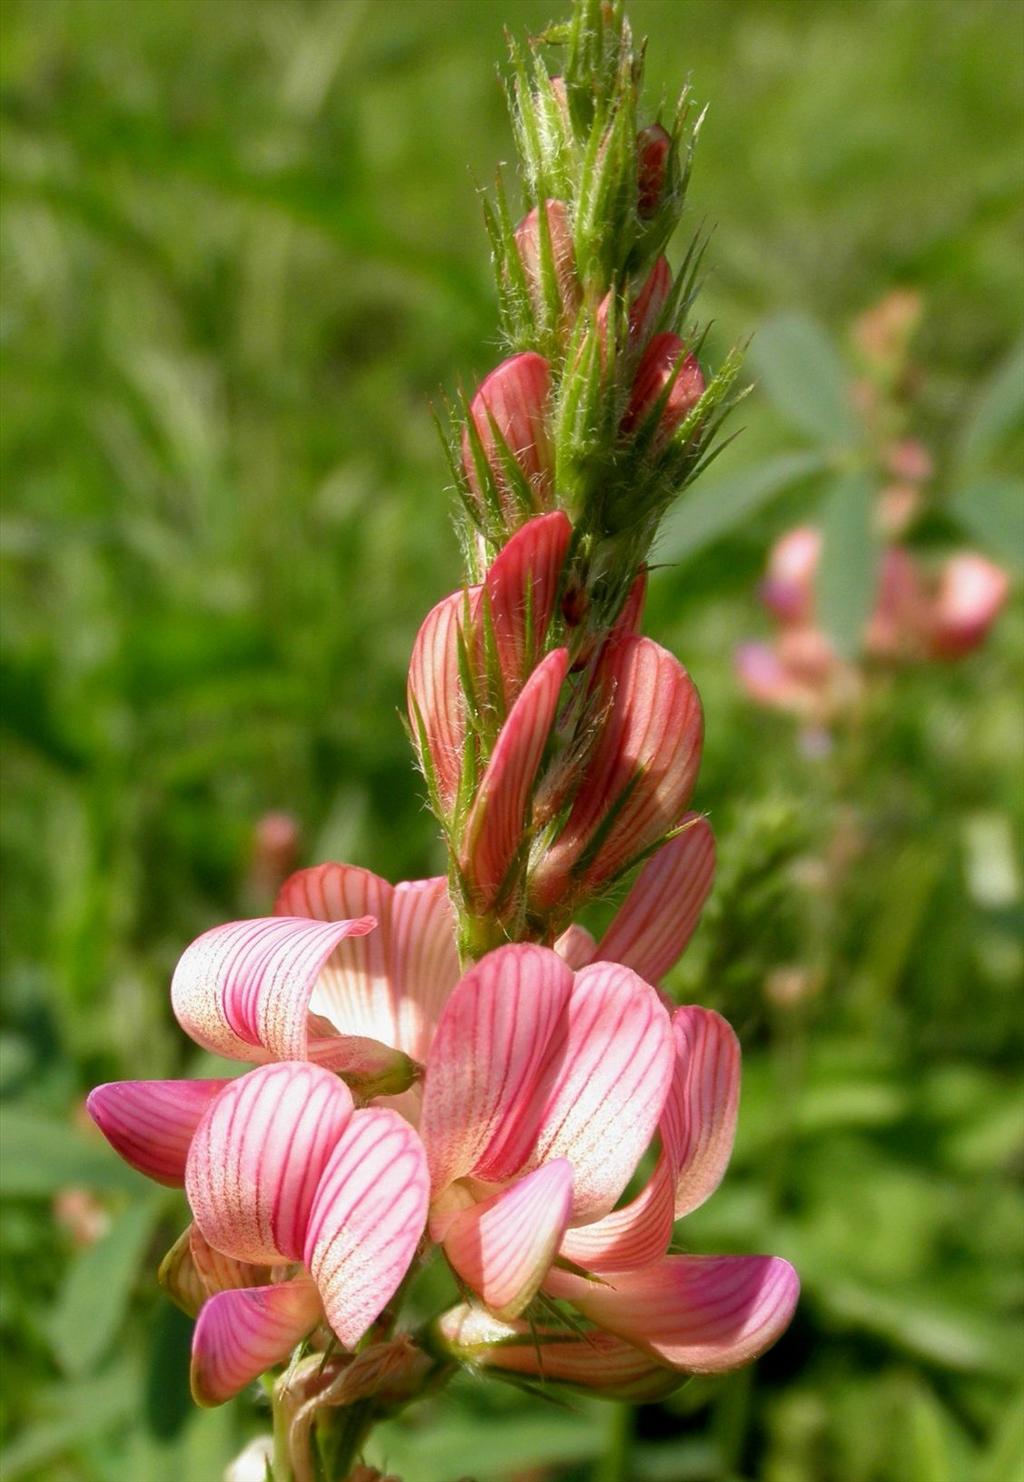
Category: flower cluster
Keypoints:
(457, 1064)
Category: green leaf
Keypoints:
(77, 1411)
(1005, 1458)
(992, 512)
(801, 373)
(846, 584)
(41, 1155)
(716, 508)
(999, 405)
(97, 1288)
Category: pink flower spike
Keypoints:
(639, 779)
(609, 1069)
(258, 1156)
(239, 1334)
(244, 989)
(531, 255)
(503, 1247)
(479, 1108)
(498, 820)
(665, 360)
(437, 714)
(972, 592)
(660, 914)
(510, 408)
(594, 1361)
(698, 1124)
(366, 1219)
(520, 590)
(703, 1314)
(151, 1123)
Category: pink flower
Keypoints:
(280, 1171)
(506, 453)
(971, 593)
(533, 250)
(654, 145)
(788, 586)
(543, 1090)
(670, 376)
(635, 783)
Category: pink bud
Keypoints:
(788, 588)
(900, 611)
(653, 147)
(666, 360)
(646, 308)
(531, 250)
(509, 413)
(971, 594)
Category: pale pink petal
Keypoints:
(607, 1075)
(633, 1236)
(594, 1361)
(520, 590)
(240, 1334)
(423, 959)
(366, 1220)
(244, 989)
(258, 1156)
(639, 779)
(576, 946)
(660, 914)
(502, 1247)
(437, 714)
(972, 592)
(767, 681)
(788, 587)
(704, 1314)
(699, 1119)
(151, 1123)
(219, 1272)
(479, 1112)
(497, 823)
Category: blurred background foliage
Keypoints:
(242, 254)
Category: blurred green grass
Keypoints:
(241, 255)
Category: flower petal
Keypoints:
(423, 959)
(151, 1123)
(437, 715)
(576, 946)
(258, 1156)
(520, 590)
(479, 1114)
(244, 989)
(366, 1220)
(503, 1247)
(239, 1334)
(509, 415)
(608, 1072)
(630, 1237)
(498, 819)
(594, 1361)
(699, 1119)
(704, 1314)
(660, 914)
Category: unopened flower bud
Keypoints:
(537, 265)
(665, 363)
(788, 587)
(510, 436)
(653, 147)
(275, 853)
(972, 591)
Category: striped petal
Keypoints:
(661, 911)
(437, 715)
(240, 1334)
(520, 590)
(509, 416)
(151, 1123)
(639, 779)
(424, 961)
(576, 946)
(502, 1248)
(479, 1110)
(704, 1314)
(244, 989)
(608, 1073)
(630, 1237)
(192, 1270)
(699, 1120)
(258, 1156)
(366, 1219)
(497, 824)
(594, 1361)
(665, 362)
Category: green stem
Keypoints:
(615, 1464)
